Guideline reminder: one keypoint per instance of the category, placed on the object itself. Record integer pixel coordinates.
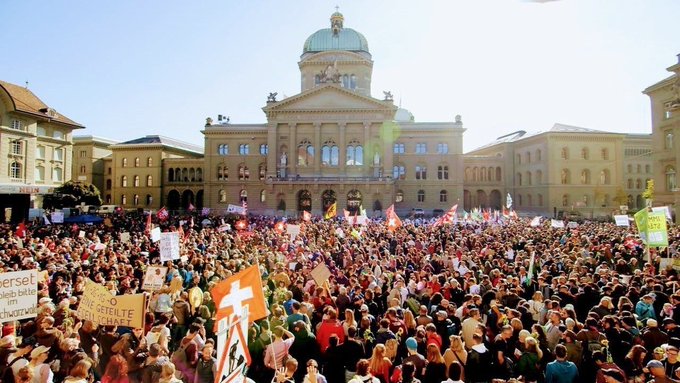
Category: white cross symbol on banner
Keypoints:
(392, 222)
(236, 297)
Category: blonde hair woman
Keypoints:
(536, 305)
(168, 374)
(379, 365)
(391, 347)
(435, 371)
(456, 353)
(410, 322)
(349, 320)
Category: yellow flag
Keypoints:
(332, 211)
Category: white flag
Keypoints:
(535, 222)
(508, 202)
(557, 224)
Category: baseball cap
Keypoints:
(39, 351)
(364, 308)
(654, 363)
(411, 343)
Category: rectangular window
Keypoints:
(83, 154)
(17, 125)
(39, 174)
(421, 148)
(264, 149)
(59, 155)
(243, 149)
(442, 148)
(16, 147)
(40, 152)
(399, 148)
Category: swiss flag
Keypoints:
(162, 214)
(306, 216)
(449, 217)
(238, 291)
(393, 221)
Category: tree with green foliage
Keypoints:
(648, 194)
(73, 193)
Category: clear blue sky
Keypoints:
(129, 68)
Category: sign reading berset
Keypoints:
(18, 295)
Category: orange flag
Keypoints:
(393, 221)
(238, 291)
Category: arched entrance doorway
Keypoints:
(187, 198)
(354, 200)
(173, 200)
(199, 199)
(328, 197)
(304, 200)
(481, 199)
(495, 200)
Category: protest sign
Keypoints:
(641, 223)
(657, 233)
(125, 237)
(293, 231)
(236, 209)
(154, 278)
(156, 234)
(18, 295)
(556, 224)
(663, 209)
(81, 234)
(320, 274)
(169, 247)
(622, 220)
(98, 305)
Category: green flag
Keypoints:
(641, 223)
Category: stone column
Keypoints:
(368, 152)
(317, 149)
(342, 146)
(273, 155)
(292, 150)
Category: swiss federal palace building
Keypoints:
(335, 142)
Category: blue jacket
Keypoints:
(561, 372)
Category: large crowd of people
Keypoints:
(464, 302)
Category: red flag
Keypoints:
(242, 224)
(449, 217)
(306, 216)
(21, 230)
(279, 227)
(163, 214)
(393, 221)
(238, 291)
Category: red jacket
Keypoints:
(327, 328)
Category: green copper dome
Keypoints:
(336, 38)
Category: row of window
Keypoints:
(527, 157)
(243, 172)
(135, 199)
(40, 131)
(399, 172)
(16, 171)
(637, 183)
(135, 181)
(347, 80)
(585, 154)
(565, 177)
(149, 162)
(648, 168)
(421, 148)
(483, 174)
(243, 149)
(243, 196)
(57, 154)
(185, 175)
(420, 196)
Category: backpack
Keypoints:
(179, 356)
(594, 344)
(8, 374)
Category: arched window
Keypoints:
(345, 81)
(136, 182)
(539, 177)
(15, 170)
(305, 153)
(528, 156)
(243, 172)
(355, 154)
(519, 200)
(668, 143)
(443, 196)
(540, 199)
(149, 180)
(498, 173)
(529, 178)
(630, 183)
(136, 163)
(178, 175)
(39, 173)
(123, 181)
(124, 163)
(222, 173)
(638, 183)
(518, 179)
(630, 168)
(564, 153)
(475, 174)
(264, 149)
(199, 174)
(244, 149)
(108, 184)
(149, 200)
(489, 172)
(605, 153)
(585, 153)
(538, 154)
(149, 162)
(399, 197)
(123, 199)
(671, 182)
(565, 177)
(605, 178)
(530, 201)
(421, 172)
(639, 168)
(222, 149)
(136, 199)
(262, 170)
(222, 196)
(329, 154)
(585, 176)
(243, 196)
(263, 195)
(399, 172)
(352, 81)
(421, 195)
(648, 168)
(443, 172)
(468, 175)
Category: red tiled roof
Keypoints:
(25, 101)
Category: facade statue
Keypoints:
(284, 159)
(376, 159)
(330, 74)
(388, 95)
(272, 97)
(208, 121)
